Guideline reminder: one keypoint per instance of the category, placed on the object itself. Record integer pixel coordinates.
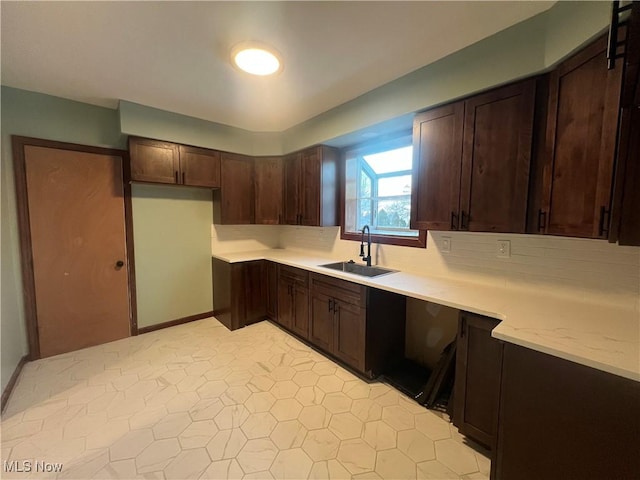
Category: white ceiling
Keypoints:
(175, 55)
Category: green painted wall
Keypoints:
(42, 116)
(172, 232)
(151, 122)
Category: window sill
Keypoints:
(420, 241)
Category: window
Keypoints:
(377, 192)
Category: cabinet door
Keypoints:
(581, 136)
(477, 379)
(236, 191)
(199, 167)
(349, 336)
(268, 190)
(154, 161)
(292, 186)
(285, 303)
(310, 198)
(254, 292)
(272, 290)
(321, 322)
(437, 156)
(496, 157)
(300, 318)
(561, 420)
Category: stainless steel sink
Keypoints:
(357, 269)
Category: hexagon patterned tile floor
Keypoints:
(199, 401)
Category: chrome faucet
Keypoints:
(366, 259)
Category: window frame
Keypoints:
(404, 139)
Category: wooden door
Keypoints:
(321, 321)
(349, 336)
(200, 167)
(268, 190)
(581, 135)
(496, 157)
(437, 157)
(292, 189)
(77, 226)
(310, 198)
(477, 384)
(236, 192)
(154, 161)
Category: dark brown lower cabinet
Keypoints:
(562, 420)
(364, 327)
(239, 292)
(272, 289)
(293, 300)
(477, 384)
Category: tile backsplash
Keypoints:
(593, 270)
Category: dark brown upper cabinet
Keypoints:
(234, 202)
(155, 161)
(582, 122)
(311, 187)
(625, 209)
(496, 155)
(437, 146)
(268, 190)
(199, 167)
(471, 164)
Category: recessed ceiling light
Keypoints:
(256, 59)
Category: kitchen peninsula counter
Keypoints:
(599, 335)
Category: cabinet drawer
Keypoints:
(296, 275)
(343, 290)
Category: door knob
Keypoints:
(119, 264)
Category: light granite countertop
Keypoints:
(601, 336)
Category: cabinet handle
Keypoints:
(329, 304)
(463, 225)
(176, 172)
(542, 220)
(299, 219)
(603, 225)
(183, 178)
(454, 221)
(279, 219)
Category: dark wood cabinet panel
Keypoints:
(496, 157)
(199, 167)
(581, 134)
(437, 147)
(321, 324)
(293, 300)
(311, 187)
(285, 303)
(292, 188)
(472, 160)
(236, 197)
(239, 292)
(268, 185)
(154, 161)
(300, 319)
(625, 209)
(255, 291)
(272, 290)
(559, 419)
(477, 385)
(349, 334)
